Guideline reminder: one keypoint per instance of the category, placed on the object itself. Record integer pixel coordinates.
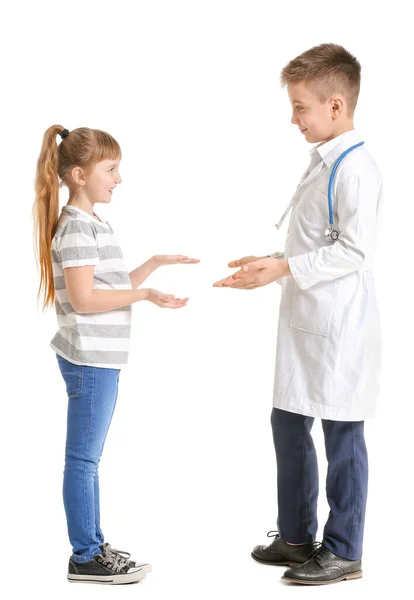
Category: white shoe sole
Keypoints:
(133, 577)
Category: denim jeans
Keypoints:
(298, 482)
(92, 394)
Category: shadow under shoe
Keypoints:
(280, 553)
(324, 567)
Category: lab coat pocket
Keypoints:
(315, 204)
(312, 309)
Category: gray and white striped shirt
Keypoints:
(96, 339)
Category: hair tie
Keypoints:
(63, 133)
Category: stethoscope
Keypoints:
(331, 234)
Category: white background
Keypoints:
(210, 160)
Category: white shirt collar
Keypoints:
(330, 151)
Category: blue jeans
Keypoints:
(92, 394)
(298, 482)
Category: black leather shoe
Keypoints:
(324, 567)
(281, 553)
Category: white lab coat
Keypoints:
(328, 356)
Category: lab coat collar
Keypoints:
(330, 151)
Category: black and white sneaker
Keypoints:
(106, 568)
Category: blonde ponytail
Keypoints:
(46, 210)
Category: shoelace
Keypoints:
(318, 550)
(318, 547)
(274, 534)
(116, 562)
(108, 548)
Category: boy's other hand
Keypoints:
(256, 273)
(240, 262)
(234, 264)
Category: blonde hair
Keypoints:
(82, 147)
(326, 69)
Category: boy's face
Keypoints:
(314, 119)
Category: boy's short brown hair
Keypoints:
(326, 69)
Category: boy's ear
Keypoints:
(337, 106)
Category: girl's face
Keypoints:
(315, 119)
(101, 181)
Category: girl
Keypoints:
(82, 272)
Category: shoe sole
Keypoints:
(354, 575)
(274, 563)
(111, 579)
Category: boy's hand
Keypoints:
(234, 264)
(165, 300)
(173, 259)
(256, 274)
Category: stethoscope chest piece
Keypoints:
(331, 235)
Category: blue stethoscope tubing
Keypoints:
(330, 233)
(333, 233)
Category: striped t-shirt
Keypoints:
(95, 339)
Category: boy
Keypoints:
(328, 355)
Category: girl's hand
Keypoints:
(166, 300)
(174, 259)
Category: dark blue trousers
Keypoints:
(298, 482)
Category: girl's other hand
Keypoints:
(166, 300)
(174, 259)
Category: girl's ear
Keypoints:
(78, 175)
